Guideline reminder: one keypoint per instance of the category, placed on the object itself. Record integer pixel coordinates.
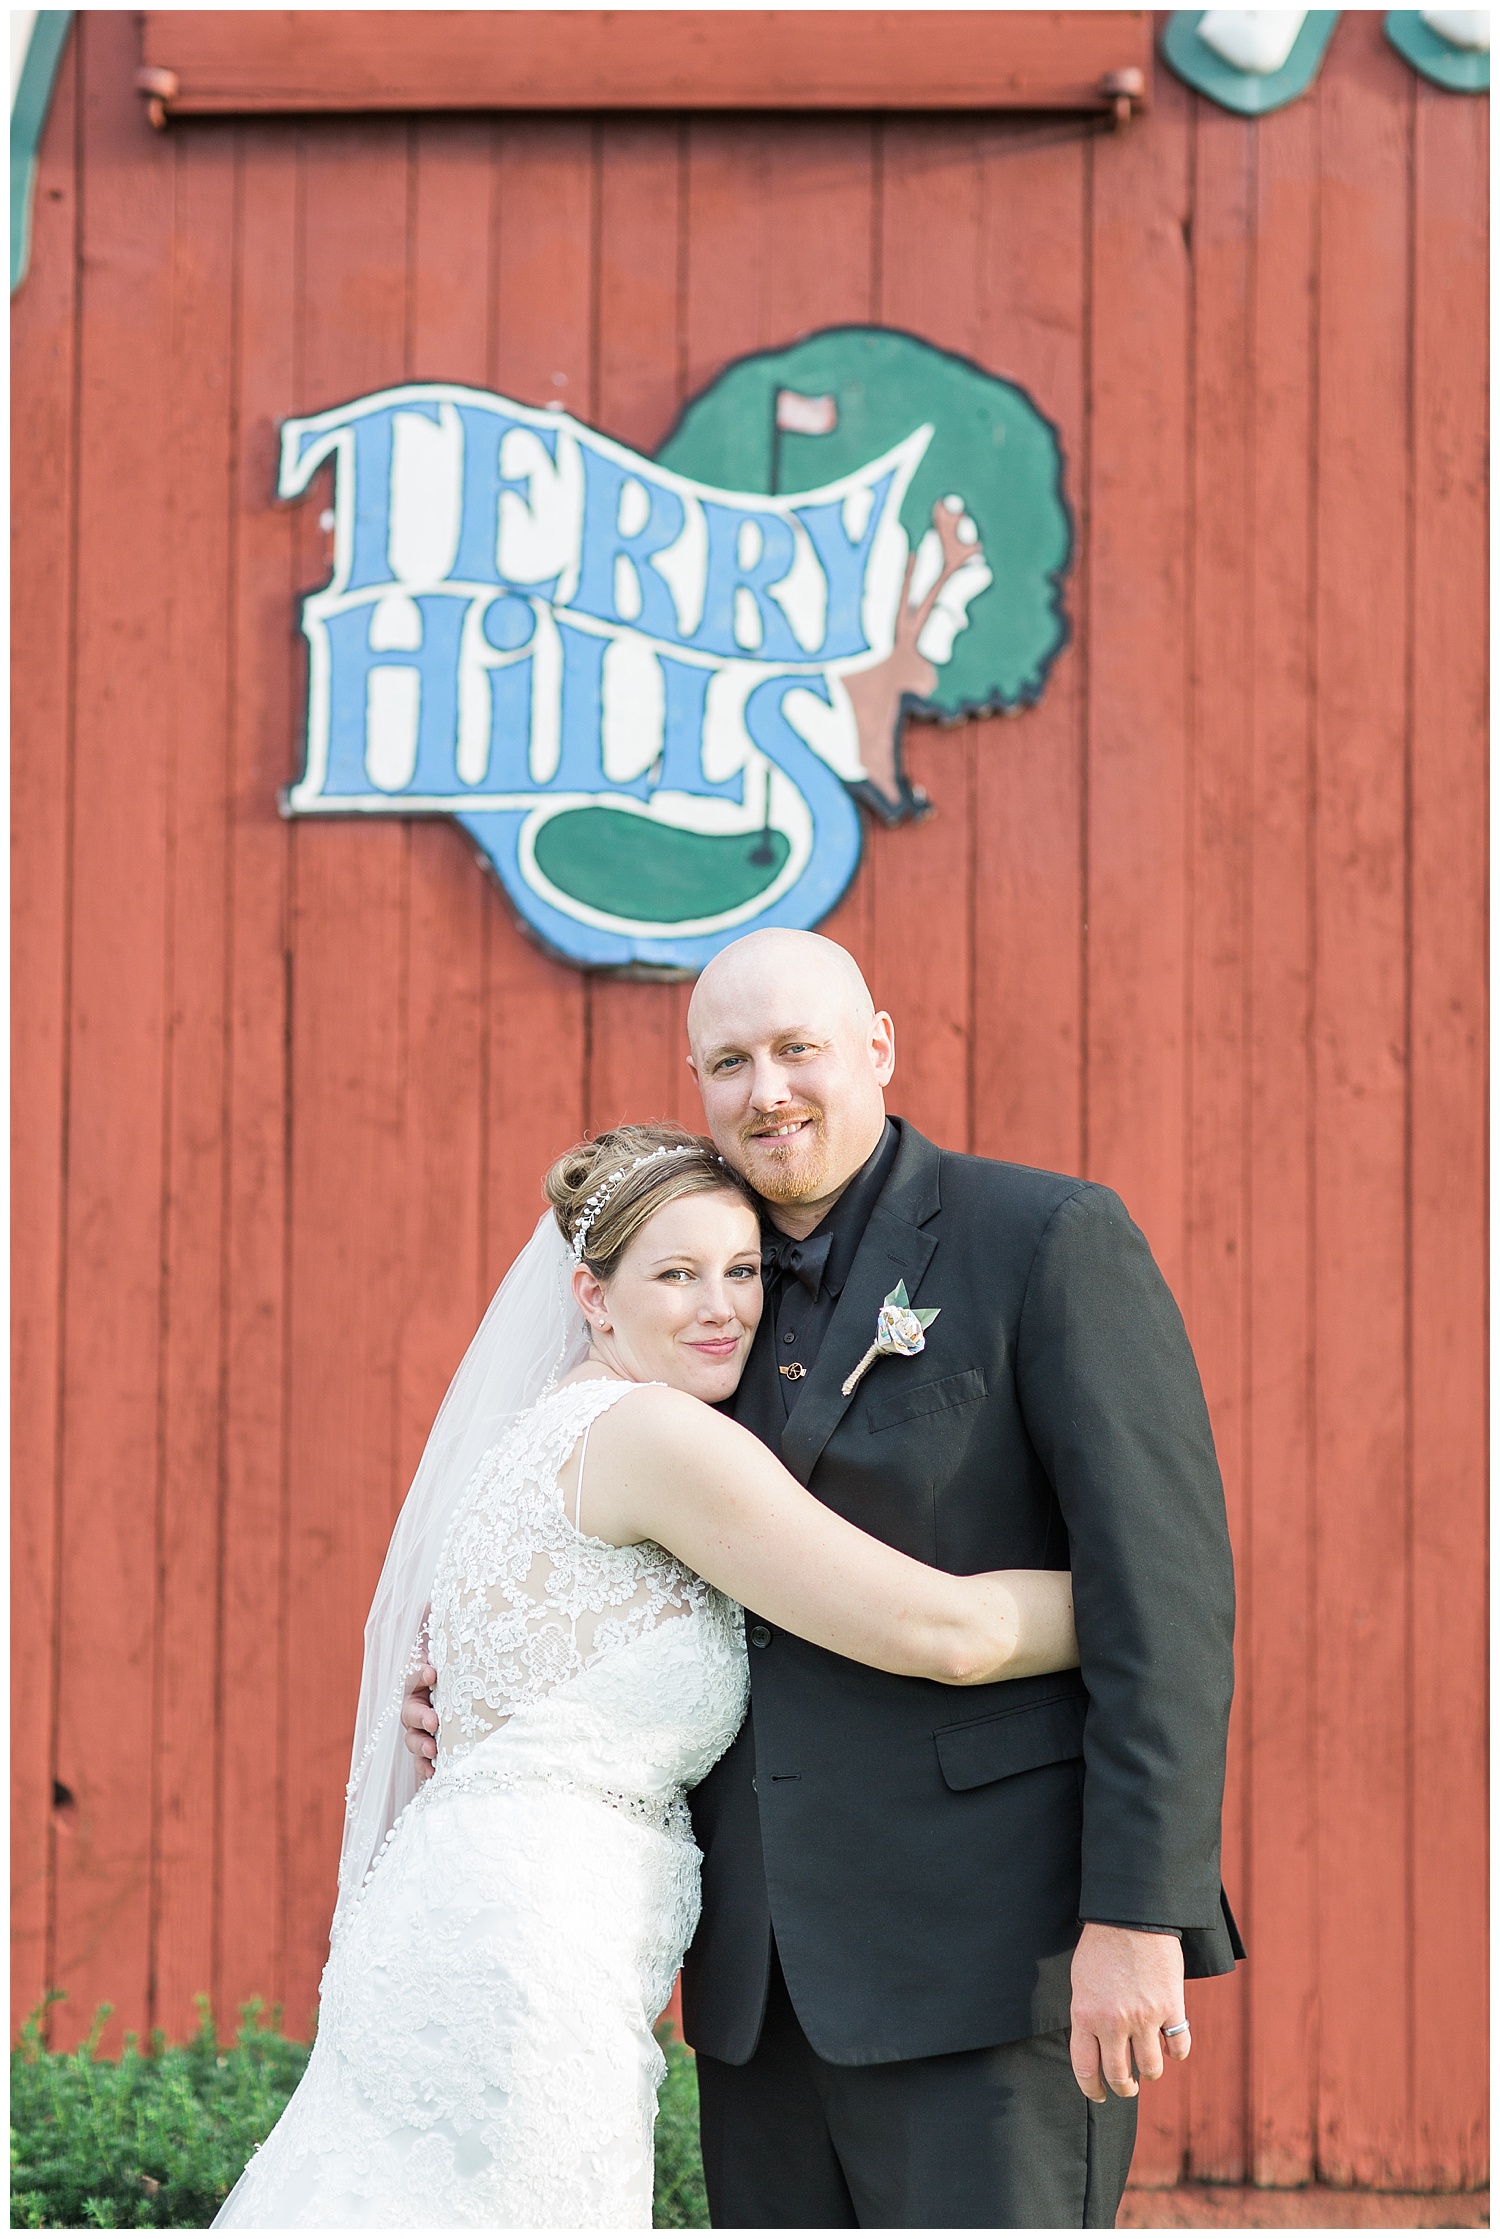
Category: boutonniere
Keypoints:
(900, 1328)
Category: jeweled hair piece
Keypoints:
(604, 1189)
(594, 1206)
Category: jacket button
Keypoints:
(760, 1636)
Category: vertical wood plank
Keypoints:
(542, 343)
(760, 191)
(1447, 997)
(203, 377)
(537, 1010)
(821, 181)
(1361, 1087)
(443, 1189)
(725, 277)
(453, 277)
(1278, 1549)
(727, 247)
(1136, 897)
(1137, 671)
(752, 201)
(1028, 793)
(349, 1024)
(536, 1046)
(636, 1043)
(823, 224)
(637, 1050)
(1220, 839)
(1275, 1537)
(111, 1402)
(44, 401)
(451, 281)
(921, 875)
(916, 942)
(639, 280)
(262, 1672)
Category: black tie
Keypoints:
(804, 1258)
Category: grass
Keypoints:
(681, 2202)
(154, 2140)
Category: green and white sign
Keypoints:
(654, 690)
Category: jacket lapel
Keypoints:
(894, 1248)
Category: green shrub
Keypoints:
(150, 2141)
(155, 2139)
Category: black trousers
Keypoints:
(1001, 2138)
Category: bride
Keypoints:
(571, 1559)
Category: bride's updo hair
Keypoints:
(618, 1180)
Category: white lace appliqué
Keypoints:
(523, 1600)
(485, 2057)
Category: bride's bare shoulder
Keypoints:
(661, 1407)
(658, 1416)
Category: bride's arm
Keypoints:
(667, 1468)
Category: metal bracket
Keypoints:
(1127, 90)
(158, 87)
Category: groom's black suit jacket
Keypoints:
(926, 1852)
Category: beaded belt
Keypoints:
(669, 1815)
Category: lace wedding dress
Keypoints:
(485, 2054)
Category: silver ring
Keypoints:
(1176, 2029)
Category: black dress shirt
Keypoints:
(799, 1318)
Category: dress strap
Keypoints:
(599, 1394)
(583, 1455)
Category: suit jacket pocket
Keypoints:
(906, 1400)
(1013, 1741)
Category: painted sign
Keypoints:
(653, 690)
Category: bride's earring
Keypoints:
(605, 1326)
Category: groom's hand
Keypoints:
(1127, 1988)
(420, 1720)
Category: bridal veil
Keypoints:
(533, 1332)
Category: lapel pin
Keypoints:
(900, 1328)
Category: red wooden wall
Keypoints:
(1207, 924)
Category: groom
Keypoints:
(943, 1933)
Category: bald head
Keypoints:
(779, 966)
(791, 1058)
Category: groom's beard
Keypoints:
(786, 1170)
